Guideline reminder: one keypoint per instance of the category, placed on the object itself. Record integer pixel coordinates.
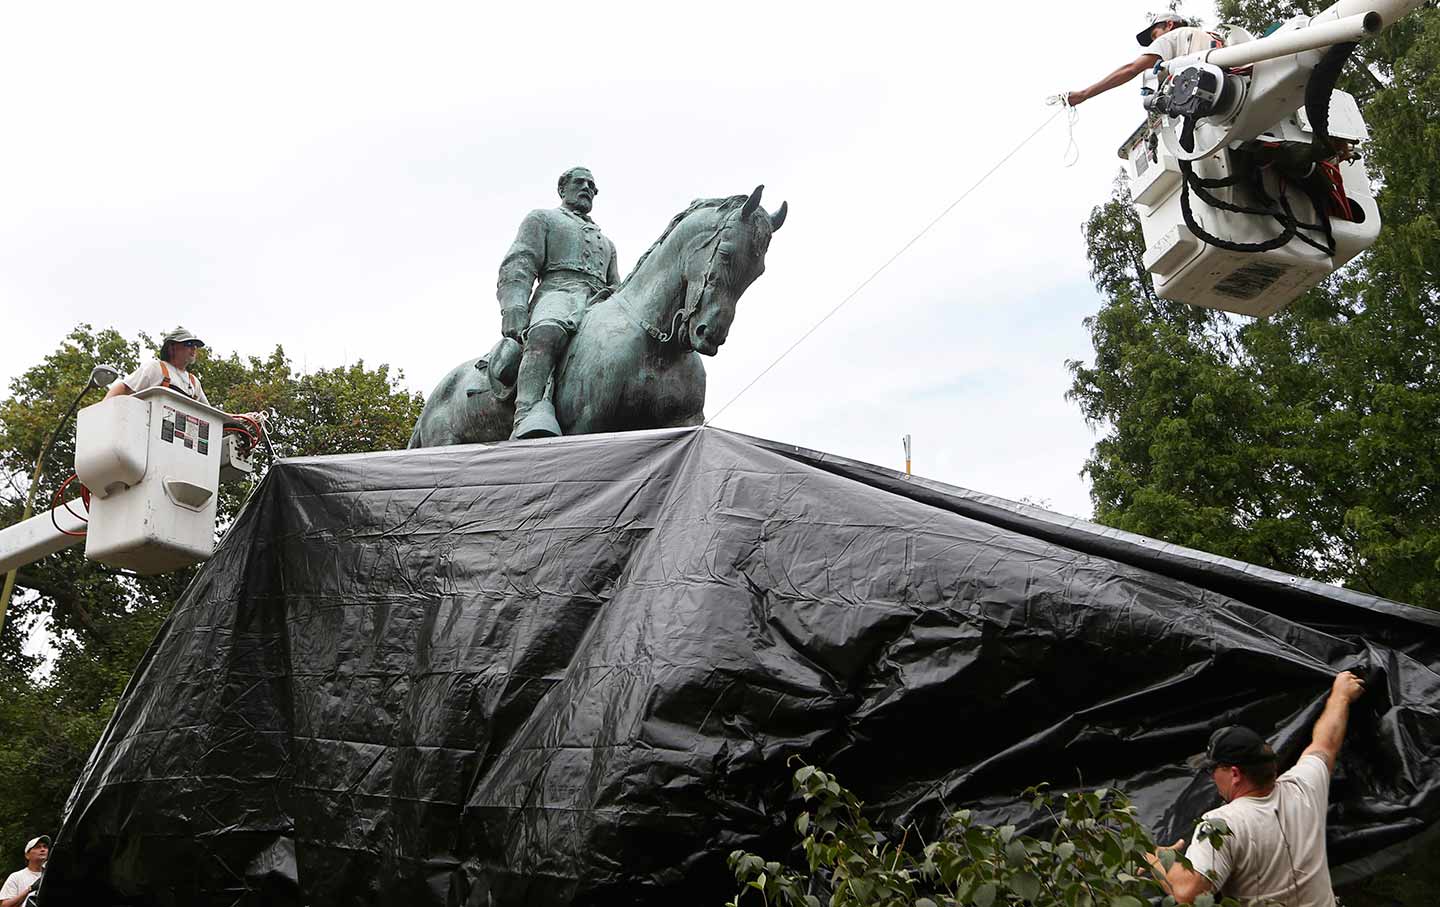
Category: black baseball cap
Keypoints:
(1233, 745)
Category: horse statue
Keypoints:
(635, 361)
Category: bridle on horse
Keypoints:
(688, 310)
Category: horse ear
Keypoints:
(752, 202)
(777, 220)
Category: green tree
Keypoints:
(101, 620)
(1303, 441)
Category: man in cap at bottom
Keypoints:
(1276, 846)
(17, 886)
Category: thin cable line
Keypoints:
(891, 260)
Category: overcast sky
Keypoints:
(344, 179)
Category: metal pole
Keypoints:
(906, 441)
(1285, 43)
(1344, 21)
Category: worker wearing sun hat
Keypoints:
(178, 351)
(17, 886)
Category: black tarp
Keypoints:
(571, 672)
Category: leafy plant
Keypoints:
(1092, 856)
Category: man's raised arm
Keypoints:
(1329, 731)
(1114, 80)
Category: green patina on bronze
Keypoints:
(633, 362)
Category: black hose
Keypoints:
(1290, 225)
(1317, 97)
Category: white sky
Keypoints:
(344, 179)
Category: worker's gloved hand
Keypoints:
(513, 320)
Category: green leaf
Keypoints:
(984, 896)
(802, 823)
(925, 902)
(1007, 832)
(1125, 900)
(1065, 851)
(1015, 853)
(1026, 884)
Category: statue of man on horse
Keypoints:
(618, 355)
(561, 255)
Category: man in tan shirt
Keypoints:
(1276, 847)
(1166, 37)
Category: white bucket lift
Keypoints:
(150, 466)
(152, 462)
(1241, 207)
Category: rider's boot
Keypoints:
(534, 413)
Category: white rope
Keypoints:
(1072, 117)
(888, 262)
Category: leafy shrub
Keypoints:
(1094, 856)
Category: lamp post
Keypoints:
(100, 376)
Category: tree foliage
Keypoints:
(99, 620)
(1090, 853)
(1304, 441)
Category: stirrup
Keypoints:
(539, 422)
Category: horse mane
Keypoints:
(721, 205)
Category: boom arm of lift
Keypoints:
(41, 535)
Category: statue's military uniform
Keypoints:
(573, 260)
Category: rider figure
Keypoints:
(565, 251)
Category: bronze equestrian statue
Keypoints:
(634, 362)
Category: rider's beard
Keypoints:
(579, 204)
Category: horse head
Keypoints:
(720, 264)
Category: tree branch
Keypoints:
(64, 597)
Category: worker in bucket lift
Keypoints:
(1166, 37)
(178, 350)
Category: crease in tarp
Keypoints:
(575, 671)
